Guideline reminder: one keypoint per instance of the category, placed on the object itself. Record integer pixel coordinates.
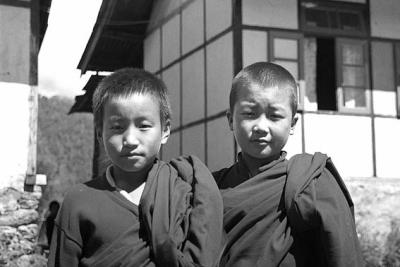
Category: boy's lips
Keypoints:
(260, 141)
(129, 155)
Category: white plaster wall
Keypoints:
(346, 139)
(162, 9)
(171, 40)
(192, 26)
(271, 13)
(152, 46)
(254, 46)
(218, 16)
(387, 133)
(294, 144)
(383, 77)
(385, 18)
(14, 136)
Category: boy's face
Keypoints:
(132, 132)
(262, 121)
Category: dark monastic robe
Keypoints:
(177, 223)
(319, 232)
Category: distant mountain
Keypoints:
(64, 147)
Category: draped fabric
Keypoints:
(259, 231)
(178, 221)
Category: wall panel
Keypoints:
(172, 148)
(384, 94)
(254, 47)
(385, 19)
(272, 13)
(218, 16)
(171, 40)
(152, 52)
(387, 132)
(171, 78)
(192, 26)
(219, 74)
(346, 139)
(220, 144)
(193, 87)
(193, 141)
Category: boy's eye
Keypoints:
(248, 114)
(145, 126)
(116, 127)
(276, 116)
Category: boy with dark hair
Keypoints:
(280, 212)
(141, 211)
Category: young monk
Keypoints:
(280, 212)
(141, 211)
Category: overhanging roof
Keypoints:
(117, 37)
(83, 103)
(43, 18)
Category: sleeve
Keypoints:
(204, 237)
(337, 236)
(64, 249)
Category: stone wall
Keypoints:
(377, 212)
(19, 228)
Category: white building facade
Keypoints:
(345, 56)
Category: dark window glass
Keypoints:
(349, 21)
(316, 18)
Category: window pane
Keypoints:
(353, 76)
(352, 54)
(285, 48)
(292, 67)
(316, 18)
(349, 21)
(354, 97)
(333, 21)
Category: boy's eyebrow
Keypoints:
(114, 118)
(247, 103)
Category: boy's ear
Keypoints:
(166, 131)
(294, 121)
(230, 119)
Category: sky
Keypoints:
(69, 28)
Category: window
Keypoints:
(284, 49)
(353, 79)
(336, 74)
(339, 18)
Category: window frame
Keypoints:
(272, 35)
(339, 76)
(358, 9)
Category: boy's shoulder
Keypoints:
(310, 175)
(85, 192)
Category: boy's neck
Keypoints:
(129, 181)
(253, 164)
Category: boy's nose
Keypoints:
(130, 138)
(261, 125)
